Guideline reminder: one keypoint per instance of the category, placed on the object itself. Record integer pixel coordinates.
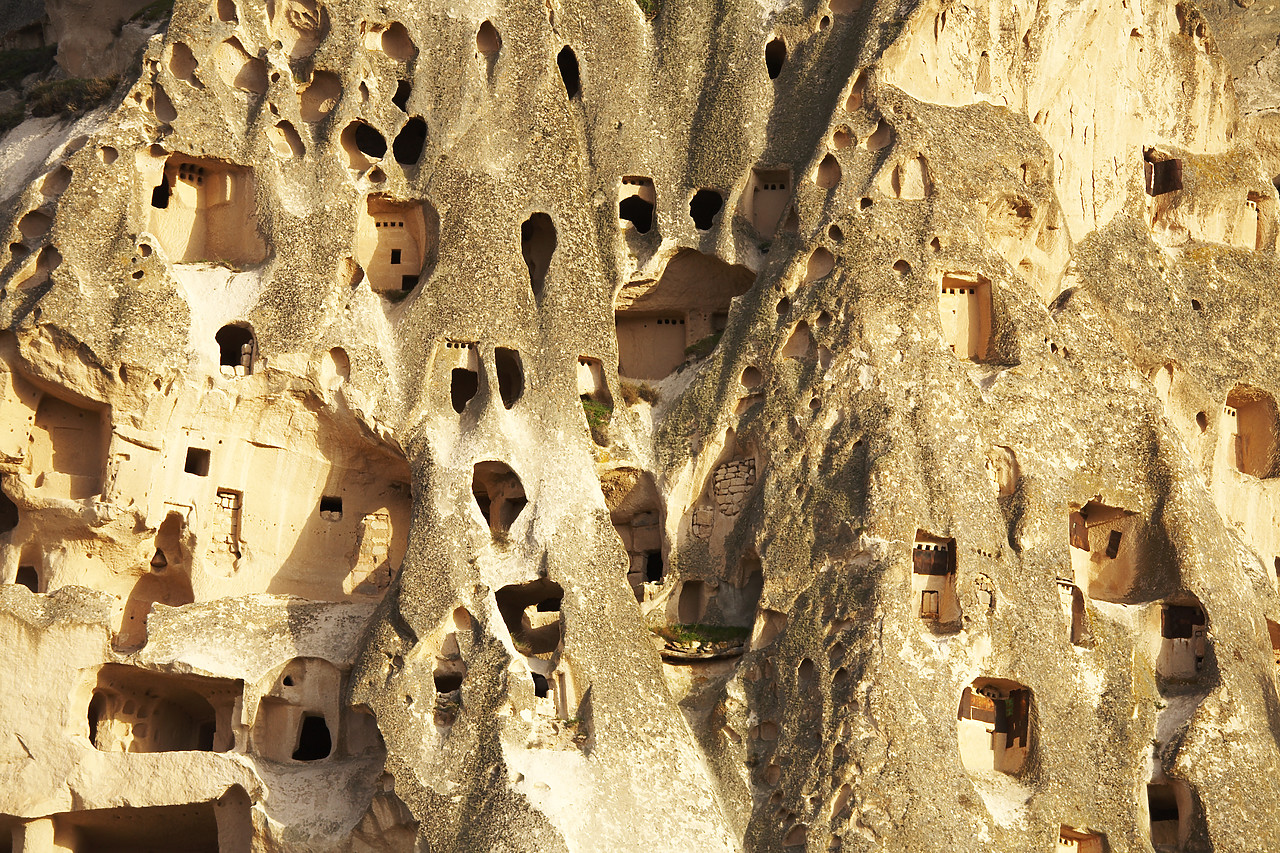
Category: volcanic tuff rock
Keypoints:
(595, 425)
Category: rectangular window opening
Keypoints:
(331, 507)
(1113, 544)
(395, 257)
(197, 462)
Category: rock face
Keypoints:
(592, 426)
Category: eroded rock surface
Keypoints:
(838, 426)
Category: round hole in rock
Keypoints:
(775, 56)
(821, 262)
(144, 249)
(34, 225)
(825, 22)
(488, 41)
(865, 203)
(376, 176)
(824, 320)
(182, 63)
(397, 44)
(901, 267)
(567, 62)
(704, 207)
(784, 305)
(638, 211)
(1195, 305)
(369, 141)
(107, 154)
(835, 233)
(751, 377)
(227, 12)
(828, 174)
(56, 182)
(1202, 421)
(410, 141)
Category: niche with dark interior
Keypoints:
(197, 461)
(133, 710)
(775, 56)
(404, 89)
(370, 142)
(28, 577)
(499, 494)
(704, 207)
(331, 507)
(510, 375)
(1162, 174)
(538, 245)
(531, 612)
(1183, 640)
(637, 203)
(8, 513)
(933, 581)
(567, 62)
(463, 385)
(1252, 424)
(1165, 814)
(314, 741)
(410, 141)
(236, 350)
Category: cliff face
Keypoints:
(604, 426)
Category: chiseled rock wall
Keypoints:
(557, 426)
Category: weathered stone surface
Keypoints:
(600, 426)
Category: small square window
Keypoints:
(1113, 544)
(395, 257)
(197, 462)
(331, 507)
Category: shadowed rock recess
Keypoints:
(590, 425)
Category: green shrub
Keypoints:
(156, 11)
(703, 348)
(598, 414)
(649, 7)
(68, 97)
(16, 64)
(702, 633)
(9, 119)
(633, 392)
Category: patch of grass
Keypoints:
(598, 414)
(703, 348)
(634, 392)
(16, 64)
(9, 119)
(156, 11)
(649, 7)
(702, 633)
(68, 97)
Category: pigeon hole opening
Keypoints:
(463, 385)
(314, 740)
(404, 89)
(28, 577)
(637, 203)
(197, 462)
(567, 62)
(369, 141)
(775, 56)
(538, 246)
(410, 142)
(704, 207)
(510, 375)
